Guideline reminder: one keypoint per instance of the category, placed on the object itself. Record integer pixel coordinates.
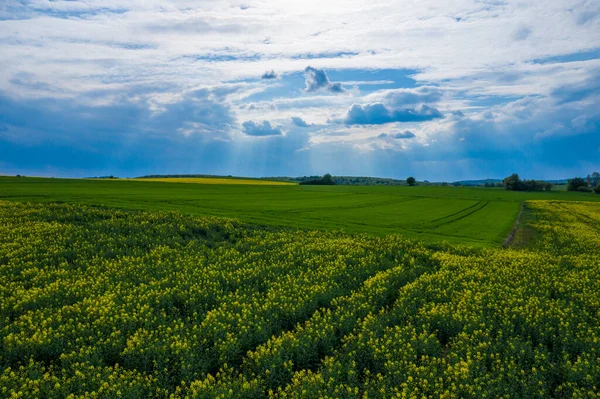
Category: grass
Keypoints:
(459, 215)
(526, 233)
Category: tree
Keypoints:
(575, 183)
(597, 188)
(512, 182)
(411, 181)
(595, 179)
(327, 179)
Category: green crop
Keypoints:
(479, 217)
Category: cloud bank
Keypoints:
(379, 114)
(398, 136)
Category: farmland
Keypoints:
(470, 216)
(211, 180)
(99, 302)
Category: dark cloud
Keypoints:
(300, 122)
(68, 121)
(336, 88)
(252, 128)
(398, 136)
(544, 143)
(378, 114)
(269, 75)
(316, 79)
(65, 137)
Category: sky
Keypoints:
(443, 91)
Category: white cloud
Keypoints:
(404, 97)
(83, 45)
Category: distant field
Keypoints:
(213, 180)
(472, 216)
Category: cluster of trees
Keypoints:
(514, 183)
(326, 180)
(591, 182)
(366, 181)
(344, 180)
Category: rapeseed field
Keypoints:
(106, 303)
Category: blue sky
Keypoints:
(443, 91)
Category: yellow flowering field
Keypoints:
(104, 303)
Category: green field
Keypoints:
(471, 216)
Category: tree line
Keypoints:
(514, 183)
(326, 180)
(589, 184)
